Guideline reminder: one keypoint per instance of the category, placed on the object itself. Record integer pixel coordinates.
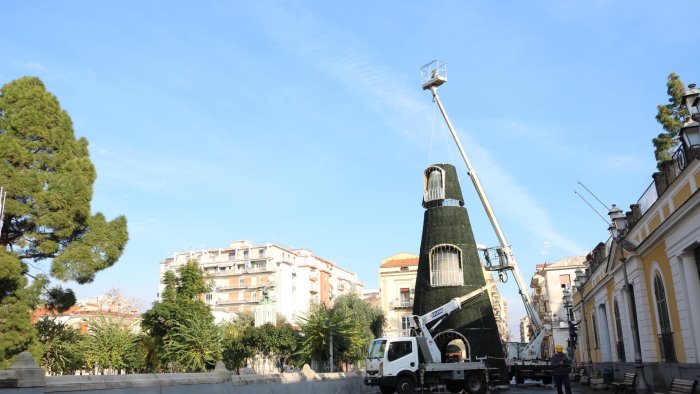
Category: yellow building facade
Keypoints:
(660, 255)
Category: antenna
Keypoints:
(591, 206)
(594, 196)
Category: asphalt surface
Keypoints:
(534, 387)
(537, 387)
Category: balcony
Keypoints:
(232, 287)
(313, 276)
(234, 302)
(401, 303)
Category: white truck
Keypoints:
(402, 364)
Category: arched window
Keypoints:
(666, 345)
(446, 266)
(434, 184)
(594, 323)
(618, 329)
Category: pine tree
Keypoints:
(48, 176)
(671, 116)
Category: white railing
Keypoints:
(648, 198)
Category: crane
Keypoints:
(435, 74)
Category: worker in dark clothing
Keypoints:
(560, 370)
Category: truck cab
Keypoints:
(392, 364)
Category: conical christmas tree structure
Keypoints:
(449, 267)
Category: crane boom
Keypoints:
(437, 315)
(505, 247)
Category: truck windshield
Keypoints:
(376, 350)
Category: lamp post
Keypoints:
(618, 231)
(568, 306)
(579, 282)
(690, 132)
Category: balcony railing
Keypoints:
(239, 286)
(401, 303)
(234, 302)
(684, 156)
(667, 348)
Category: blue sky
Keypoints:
(304, 123)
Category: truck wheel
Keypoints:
(405, 385)
(547, 380)
(386, 389)
(475, 383)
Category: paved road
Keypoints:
(533, 387)
(537, 388)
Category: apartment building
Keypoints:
(397, 279)
(500, 307)
(246, 275)
(549, 283)
(110, 306)
(525, 329)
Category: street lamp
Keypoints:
(579, 282)
(691, 99)
(571, 329)
(690, 132)
(618, 231)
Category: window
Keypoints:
(208, 297)
(666, 345)
(254, 296)
(376, 350)
(241, 282)
(434, 184)
(697, 259)
(232, 255)
(240, 296)
(594, 323)
(405, 322)
(245, 254)
(405, 297)
(403, 269)
(564, 280)
(261, 252)
(618, 329)
(446, 266)
(661, 307)
(399, 349)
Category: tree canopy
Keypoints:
(671, 116)
(181, 325)
(349, 325)
(48, 176)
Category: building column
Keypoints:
(692, 287)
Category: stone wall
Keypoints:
(24, 377)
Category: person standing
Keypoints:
(560, 370)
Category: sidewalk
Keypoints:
(538, 387)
